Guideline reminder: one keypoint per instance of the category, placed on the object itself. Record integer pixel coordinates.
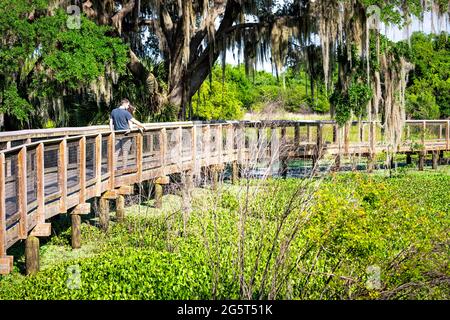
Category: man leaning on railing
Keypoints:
(122, 120)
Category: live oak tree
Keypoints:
(47, 67)
(193, 35)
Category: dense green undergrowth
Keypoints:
(282, 239)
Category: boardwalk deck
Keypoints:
(48, 172)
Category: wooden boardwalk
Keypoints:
(48, 172)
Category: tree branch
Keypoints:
(119, 16)
(202, 66)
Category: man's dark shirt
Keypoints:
(120, 119)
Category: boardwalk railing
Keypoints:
(44, 173)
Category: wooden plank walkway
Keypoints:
(44, 173)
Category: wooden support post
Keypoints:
(62, 175)
(337, 163)
(354, 162)
(104, 214)
(189, 182)
(234, 172)
(335, 133)
(361, 132)
(120, 208)
(76, 231)
(370, 162)
(186, 196)
(6, 264)
(159, 182)
(214, 171)
(422, 160)
(392, 161)
(308, 133)
(408, 158)
(158, 195)
(32, 255)
(435, 156)
(441, 157)
(22, 192)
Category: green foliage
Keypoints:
(49, 124)
(398, 224)
(254, 93)
(40, 58)
(428, 95)
(359, 95)
(341, 104)
(421, 103)
(77, 57)
(352, 100)
(13, 104)
(218, 101)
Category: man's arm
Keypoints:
(137, 123)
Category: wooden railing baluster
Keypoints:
(40, 185)
(424, 130)
(179, 146)
(82, 146)
(230, 141)
(111, 160)
(219, 143)
(194, 147)
(139, 156)
(98, 164)
(447, 134)
(296, 137)
(308, 133)
(274, 149)
(22, 192)
(2, 206)
(62, 175)
(163, 146)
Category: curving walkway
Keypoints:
(47, 172)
